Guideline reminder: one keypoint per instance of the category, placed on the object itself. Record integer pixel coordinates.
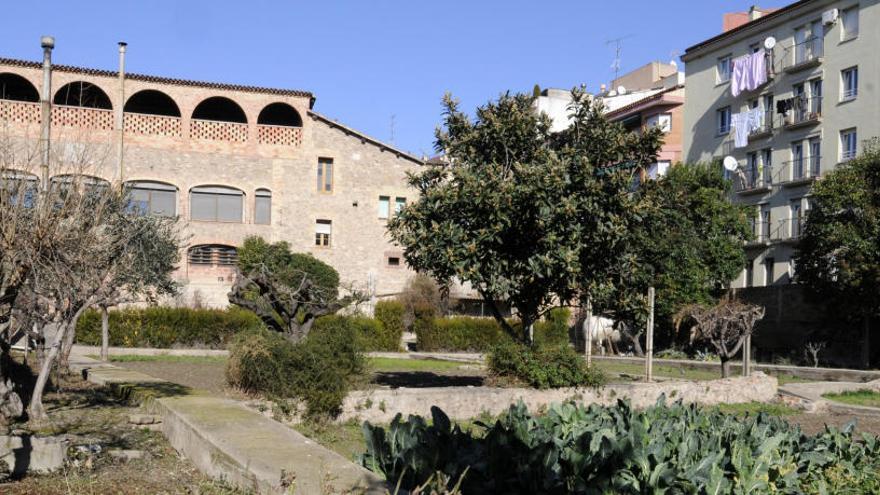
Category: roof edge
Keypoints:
(692, 52)
(162, 80)
(361, 135)
(656, 96)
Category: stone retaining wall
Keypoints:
(381, 405)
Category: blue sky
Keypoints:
(367, 61)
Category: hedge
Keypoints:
(473, 334)
(165, 327)
(371, 334)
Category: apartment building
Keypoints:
(230, 161)
(805, 78)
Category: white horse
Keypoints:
(602, 331)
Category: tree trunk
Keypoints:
(35, 408)
(105, 334)
(67, 346)
(866, 342)
(10, 403)
(725, 367)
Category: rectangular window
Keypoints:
(797, 160)
(816, 97)
(384, 206)
(849, 83)
(763, 233)
(322, 232)
(849, 22)
(724, 69)
(325, 175)
(752, 176)
(393, 261)
(766, 165)
(152, 198)
(815, 157)
(216, 204)
(661, 120)
(750, 273)
(848, 144)
(723, 121)
(399, 204)
(769, 276)
(796, 218)
(263, 207)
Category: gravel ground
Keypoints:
(815, 423)
(208, 376)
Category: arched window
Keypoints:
(280, 114)
(80, 182)
(216, 204)
(152, 102)
(212, 255)
(220, 109)
(15, 87)
(263, 207)
(152, 198)
(82, 94)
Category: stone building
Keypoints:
(819, 104)
(230, 161)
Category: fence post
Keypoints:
(649, 338)
(747, 356)
(588, 332)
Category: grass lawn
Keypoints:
(165, 358)
(863, 397)
(395, 364)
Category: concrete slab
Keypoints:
(27, 453)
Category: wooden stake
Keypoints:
(649, 338)
(588, 332)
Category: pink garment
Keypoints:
(759, 70)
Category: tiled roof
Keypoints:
(161, 80)
(657, 96)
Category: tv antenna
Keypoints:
(615, 66)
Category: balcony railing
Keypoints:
(82, 117)
(804, 54)
(752, 179)
(847, 155)
(805, 110)
(22, 112)
(766, 126)
(762, 231)
(279, 135)
(803, 169)
(212, 130)
(789, 229)
(152, 125)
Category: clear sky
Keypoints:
(367, 61)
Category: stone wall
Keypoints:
(380, 406)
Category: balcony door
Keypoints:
(797, 161)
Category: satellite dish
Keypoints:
(730, 164)
(770, 42)
(621, 90)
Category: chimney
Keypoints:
(755, 12)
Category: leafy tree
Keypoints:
(287, 290)
(688, 246)
(524, 215)
(839, 254)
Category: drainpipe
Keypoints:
(120, 127)
(48, 43)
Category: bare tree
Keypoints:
(725, 326)
(812, 350)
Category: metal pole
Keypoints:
(120, 116)
(48, 43)
(649, 339)
(588, 332)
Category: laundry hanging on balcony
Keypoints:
(749, 72)
(745, 123)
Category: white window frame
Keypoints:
(849, 83)
(722, 126)
(849, 144)
(852, 32)
(323, 233)
(723, 76)
(384, 207)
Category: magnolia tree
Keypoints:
(523, 215)
(726, 326)
(287, 291)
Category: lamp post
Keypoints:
(48, 43)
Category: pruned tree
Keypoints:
(725, 326)
(812, 350)
(523, 215)
(287, 291)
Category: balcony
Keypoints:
(21, 112)
(806, 111)
(803, 55)
(765, 129)
(762, 233)
(799, 172)
(152, 125)
(213, 130)
(753, 180)
(279, 135)
(82, 118)
(789, 230)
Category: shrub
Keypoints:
(420, 293)
(165, 327)
(319, 371)
(662, 449)
(544, 366)
(472, 334)
(391, 315)
(370, 333)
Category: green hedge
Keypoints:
(472, 334)
(391, 314)
(164, 327)
(371, 334)
(544, 366)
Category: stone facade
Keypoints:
(185, 152)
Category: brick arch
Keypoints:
(17, 88)
(152, 102)
(82, 94)
(221, 109)
(280, 114)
